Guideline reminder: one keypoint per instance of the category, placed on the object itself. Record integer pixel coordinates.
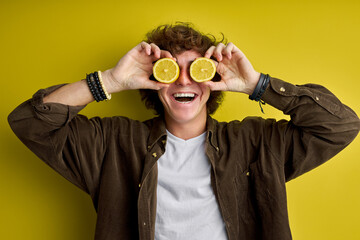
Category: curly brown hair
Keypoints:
(178, 38)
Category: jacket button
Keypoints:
(154, 154)
(247, 173)
(282, 89)
(217, 149)
(163, 141)
(317, 98)
(144, 223)
(139, 184)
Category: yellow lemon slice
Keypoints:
(166, 70)
(202, 69)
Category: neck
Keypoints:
(186, 130)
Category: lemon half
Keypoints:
(202, 69)
(166, 70)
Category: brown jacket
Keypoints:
(114, 159)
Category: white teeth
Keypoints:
(184, 95)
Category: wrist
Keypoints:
(96, 86)
(252, 83)
(260, 87)
(110, 82)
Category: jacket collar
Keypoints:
(211, 126)
(157, 131)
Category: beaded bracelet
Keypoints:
(107, 95)
(93, 87)
(96, 86)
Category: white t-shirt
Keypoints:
(186, 204)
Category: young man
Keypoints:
(183, 175)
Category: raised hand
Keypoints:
(134, 69)
(237, 73)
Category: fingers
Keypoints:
(152, 48)
(209, 52)
(220, 51)
(144, 46)
(215, 51)
(154, 85)
(156, 50)
(166, 54)
(216, 86)
(227, 51)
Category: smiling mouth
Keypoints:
(184, 97)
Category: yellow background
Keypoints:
(43, 43)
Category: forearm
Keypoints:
(73, 94)
(77, 93)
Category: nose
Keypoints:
(184, 78)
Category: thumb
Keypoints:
(154, 85)
(216, 86)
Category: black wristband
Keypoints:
(263, 87)
(260, 87)
(257, 88)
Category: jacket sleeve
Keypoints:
(320, 126)
(70, 143)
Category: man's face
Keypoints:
(185, 100)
